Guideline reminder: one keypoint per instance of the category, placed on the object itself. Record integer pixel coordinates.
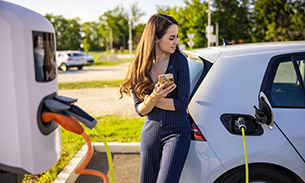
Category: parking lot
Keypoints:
(125, 167)
(98, 101)
(103, 101)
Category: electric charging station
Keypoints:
(28, 76)
(31, 110)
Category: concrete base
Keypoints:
(67, 175)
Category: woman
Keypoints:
(165, 137)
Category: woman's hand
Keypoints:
(160, 91)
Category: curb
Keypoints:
(67, 175)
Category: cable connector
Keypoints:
(241, 123)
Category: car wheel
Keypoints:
(258, 174)
(63, 67)
(80, 67)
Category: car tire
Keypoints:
(63, 67)
(80, 67)
(258, 173)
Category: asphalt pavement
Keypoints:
(126, 168)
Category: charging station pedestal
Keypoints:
(28, 76)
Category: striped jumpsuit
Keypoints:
(165, 137)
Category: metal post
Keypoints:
(111, 44)
(209, 25)
(130, 37)
(217, 34)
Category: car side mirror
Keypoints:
(264, 113)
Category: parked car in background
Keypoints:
(226, 83)
(89, 59)
(67, 59)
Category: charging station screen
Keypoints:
(44, 56)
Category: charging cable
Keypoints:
(241, 123)
(108, 154)
(72, 125)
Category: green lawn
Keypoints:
(98, 62)
(89, 84)
(114, 128)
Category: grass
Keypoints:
(89, 84)
(98, 62)
(114, 128)
(108, 63)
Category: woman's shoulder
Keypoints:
(180, 57)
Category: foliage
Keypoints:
(239, 21)
(192, 19)
(114, 128)
(278, 20)
(117, 21)
(93, 38)
(233, 18)
(67, 32)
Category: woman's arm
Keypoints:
(179, 103)
(183, 85)
(166, 104)
(157, 96)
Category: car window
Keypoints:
(286, 88)
(78, 54)
(196, 69)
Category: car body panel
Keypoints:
(201, 160)
(243, 67)
(291, 121)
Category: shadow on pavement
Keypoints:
(126, 168)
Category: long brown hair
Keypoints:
(138, 75)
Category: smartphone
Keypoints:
(166, 77)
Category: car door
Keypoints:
(284, 87)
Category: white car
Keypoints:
(67, 59)
(89, 60)
(226, 83)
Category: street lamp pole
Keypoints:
(209, 25)
(111, 45)
(130, 37)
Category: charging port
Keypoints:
(249, 122)
(45, 128)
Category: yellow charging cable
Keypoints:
(109, 157)
(246, 156)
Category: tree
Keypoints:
(117, 20)
(136, 13)
(67, 32)
(278, 20)
(93, 38)
(137, 33)
(192, 19)
(234, 19)
(74, 32)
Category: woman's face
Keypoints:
(169, 42)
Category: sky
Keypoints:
(90, 10)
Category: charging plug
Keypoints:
(241, 123)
